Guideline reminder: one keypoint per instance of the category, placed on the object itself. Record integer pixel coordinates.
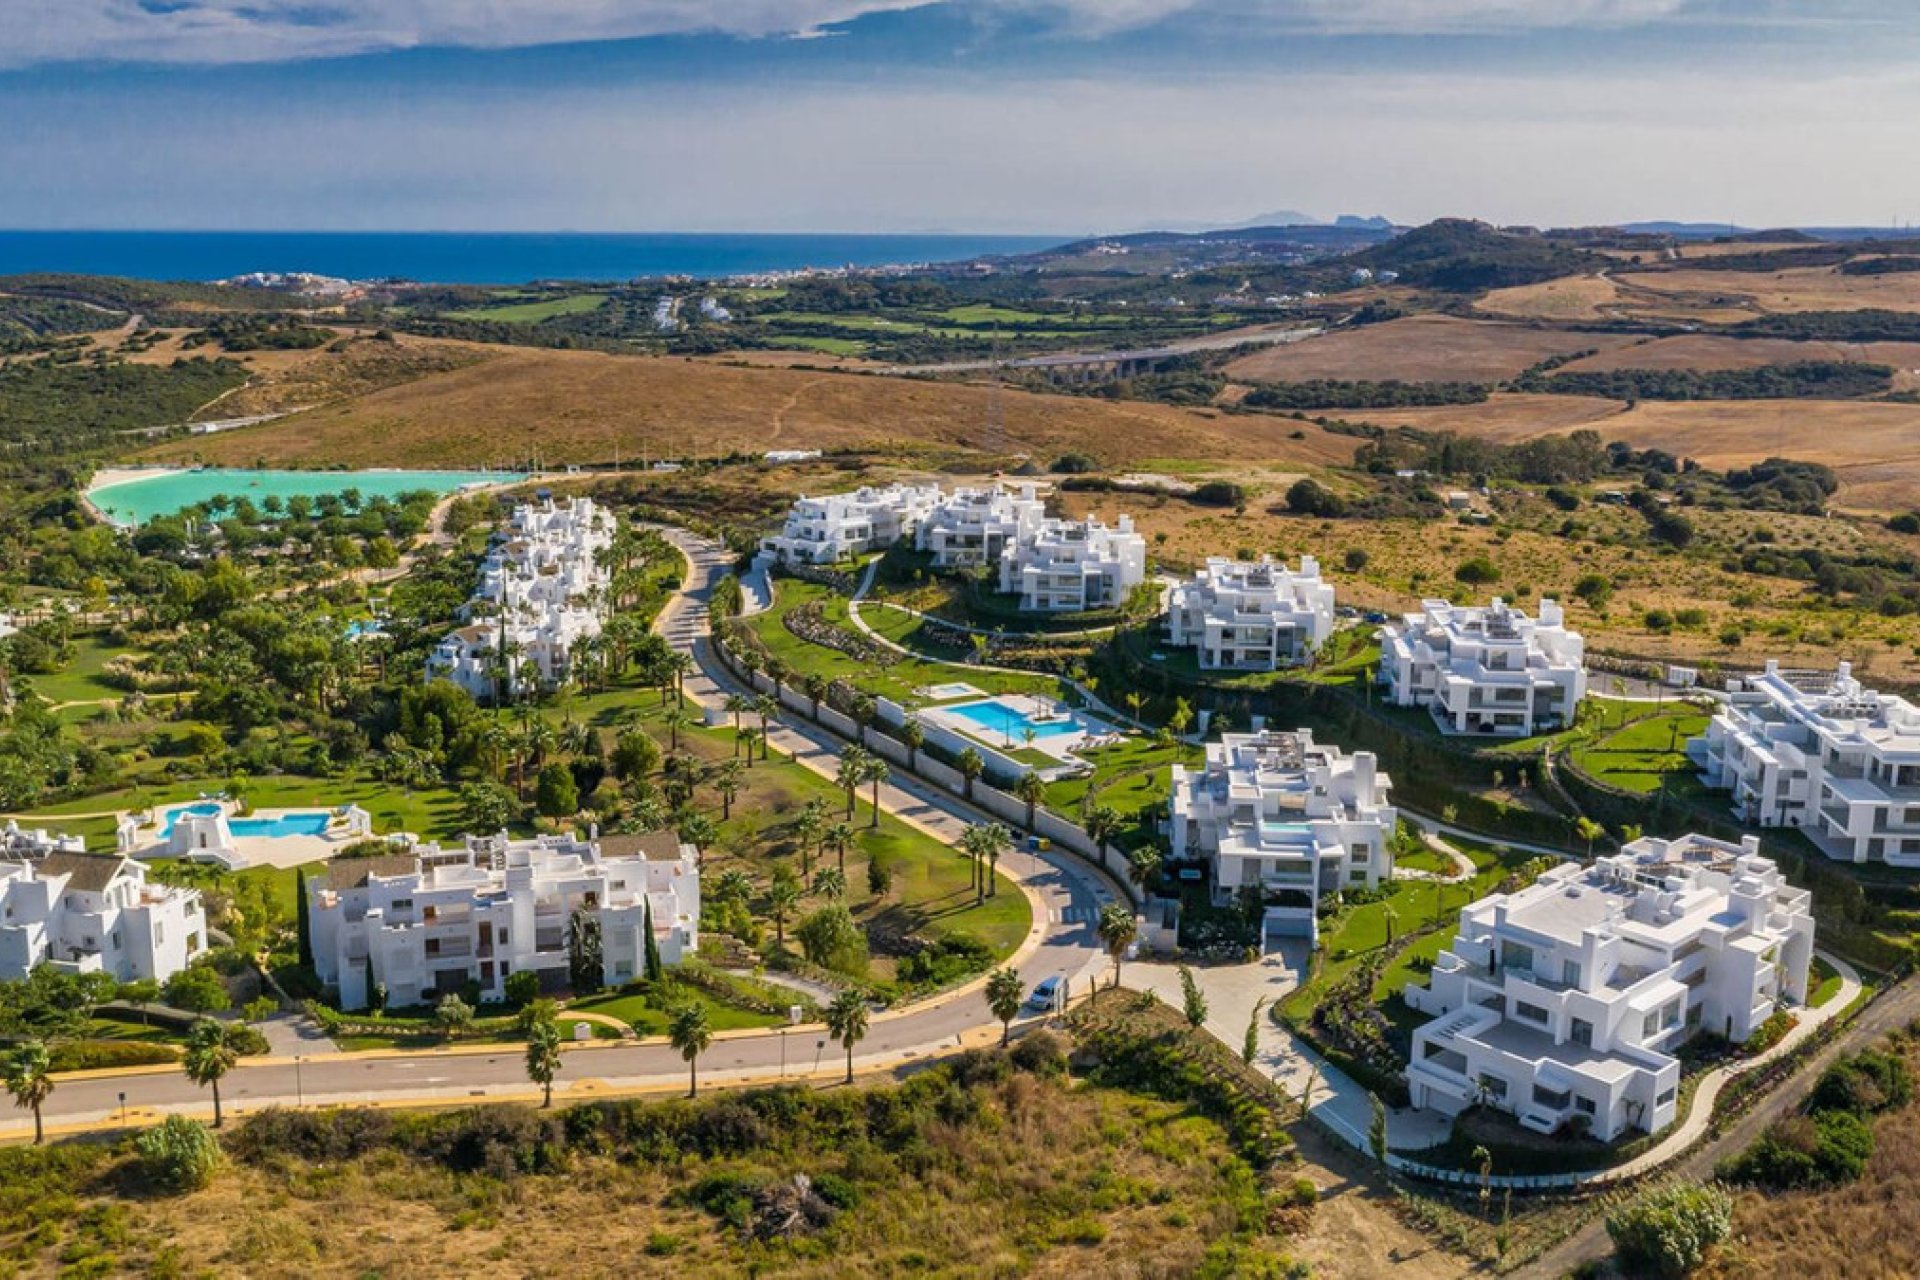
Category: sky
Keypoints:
(1031, 116)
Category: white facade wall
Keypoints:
(1281, 814)
(974, 527)
(825, 530)
(1822, 753)
(1070, 566)
(1251, 615)
(1490, 670)
(541, 594)
(1569, 998)
(89, 913)
(427, 922)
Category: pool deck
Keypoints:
(1063, 747)
(251, 851)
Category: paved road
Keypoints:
(1067, 897)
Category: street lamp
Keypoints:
(299, 1089)
(123, 1108)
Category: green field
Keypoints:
(536, 309)
(644, 1018)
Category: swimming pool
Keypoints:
(997, 717)
(312, 822)
(133, 502)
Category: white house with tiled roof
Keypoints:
(95, 913)
(427, 921)
(1564, 1002)
(1251, 615)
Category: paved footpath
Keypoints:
(1066, 898)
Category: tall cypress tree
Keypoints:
(300, 918)
(653, 967)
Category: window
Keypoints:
(1584, 1106)
(1581, 1032)
(1494, 1087)
(1570, 972)
(1531, 1012)
(1666, 1096)
(1514, 955)
(1550, 1098)
(1650, 1025)
(403, 904)
(503, 937)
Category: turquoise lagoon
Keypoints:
(133, 502)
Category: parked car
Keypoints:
(1046, 995)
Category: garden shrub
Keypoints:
(97, 1055)
(179, 1154)
(1668, 1231)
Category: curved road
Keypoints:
(1066, 896)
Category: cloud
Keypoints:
(237, 31)
(213, 32)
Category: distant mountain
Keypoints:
(1684, 230)
(1282, 218)
(1353, 222)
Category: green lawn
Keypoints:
(534, 311)
(1823, 983)
(80, 680)
(649, 1021)
(1646, 756)
(826, 346)
(897, 681)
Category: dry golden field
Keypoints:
(1426, 348)
(569, 406)
(1795, 289)
(1568, 298)
(1571, 298)
(1707, 351)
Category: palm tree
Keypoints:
(839, 838)
(815, 686)
(808, 825)
(778, 672)
(212, 1050)
(29, 1078)
(690, 1034)
(876, 772)
(1005, 993)
(971, 767)
(1031, 789)
(831, 884)
(851, 773)
(1103, 825)
(543, 1054)
(862, 710)
(1143, 866)
(676, 718)
(992, 841)
(735, 704)
(768, 710)
(783, 895)
(1589, 830)
(847, 1022)
(914, 737)
(1135, 700)
(727, 783)
(749, 738)
(1117, 930)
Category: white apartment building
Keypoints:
(1823, 753)
(1251, 615)
(1070, 566)
(542, 592)
(829, 529)
(426, 922)
(27, 844)
(1491, 670)
(95, 913)
(1568, 998)
(1279, 814)
(974, 527)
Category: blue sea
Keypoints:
(474, 258)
